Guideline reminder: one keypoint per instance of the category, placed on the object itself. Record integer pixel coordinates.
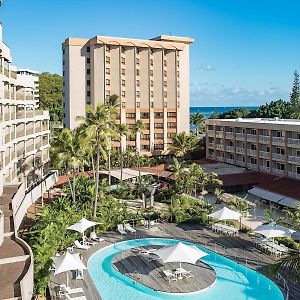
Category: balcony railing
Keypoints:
(264, 169)
(251, 137)
(210, 132)
(230, 148)
(6, 72)
(229, 134)
(264, 138)
(210, 156)
(240, 163)
(294, 175)
(293, 141)
(278, 140)
(278, 156)
(239, 150)
(252, 166)
(240, 136)
(220, 158)
(251, 151)
(219, 146)
(278, 172)
(219, 134)
(264, 154)
(230, 161)
(211, 145)
(20, 133)
(294, 158)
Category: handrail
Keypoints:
(285, 285)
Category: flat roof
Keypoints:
(276, 121)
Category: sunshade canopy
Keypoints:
(264, 194)
(272, 230)
(82, 225)
(126, 174)
(225, 214)
(67, 262)
(180, 252)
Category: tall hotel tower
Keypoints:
(151, 77)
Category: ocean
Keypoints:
(208, 110)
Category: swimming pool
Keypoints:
(233, 281)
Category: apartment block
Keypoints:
(266, 145)
(151, 77)
(24, 170)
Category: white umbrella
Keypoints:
(272, 230)
(82, 225)
(180, 252)
(67, 262)
(225, 214)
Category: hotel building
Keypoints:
(151, 77)
(24, 171)
(266, 145)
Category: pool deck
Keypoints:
(150, 273)
(240, 249)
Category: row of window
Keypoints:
(146, 115)
(107, 71)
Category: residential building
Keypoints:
(266, 145)
(151, 77)
(24, 171)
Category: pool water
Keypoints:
(233, 281)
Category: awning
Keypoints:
(126, 174)
(266, 194)
(289, 202)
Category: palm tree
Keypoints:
(138, 126)
(122, 131)
(242, 206)
(183, 143)
(198, 121)
(67, 154)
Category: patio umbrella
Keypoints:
(67, 262)
(272, 230)
(225, 214)
(180, 252)
(82, 225)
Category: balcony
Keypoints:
(29, 147)
(220, 158)
(230, 148)
(278, 140)
(211, 145)
(20, 132)
(210, 133)
(230, 161)
(294, 159)
(264, 169)
(210, 156)
(293, 142)
(252, 152)
(240, 136)
(251, 137)
(252, 166)
(264, 139)
(220, 147)
(278, 172)
(277, 156)
(264, 154)
(219, 134)
(230, 134)
(6, 72)
(293, 175)
(240, 163)
(240, 150)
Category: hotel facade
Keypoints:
(266, 145)
(151, 78)
(24, 170)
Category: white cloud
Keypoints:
(206, 67)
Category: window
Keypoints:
(123, 60)
(137, 61)
(171, 125)
(88, 71)
(280, 151)
(278, 133)
(123, 104)
(130, 115)
(123, 82)
(88, 49)
(88, 82)
(178, 94)
(107, 48)
(107, 92)
(178, 104)
(137, 50)
(158, 125)
(63, 73)
(166, 104)
(145, 115)
(137, 72)
(177, 73)
(107, 71)
(178, 84)
(165, 94)
(151, 62)
(123, 93)
(165, 83)
(158, 146)
(165, 63)
(165, 73)
(88, 60)
(298, 153)
(177, 63)
(137, 83)
(123, 49)
(138, 104)
(280, 166)
(253, 161)
(145, 136)
(267, 164)
(171, 134)
(158, 115)
(138, 94)
(151, 94)
(151, 104)
(107, 59)
(123, 71)
(107, 82)
(151, 72)
(63, 51)
(158, 135)
(88, 93)
(63, 62)
(151, 82)
(298, 170)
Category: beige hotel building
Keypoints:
(267, 145)
(151, 77)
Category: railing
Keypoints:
(264, 168)
(239, 150)
(293, 141)
(251, 151)
(230, 161)
(264, 138)
(240, 163)
(13, 74)
(210, 132)
(220, 146)
(281, 280)
(211, 145)
(278, 172)
(278, 156)
(230, 134)
(279, 140)
(240, 136)
(220, 158)
(6, 72)
(264, 154)
(293, 175)
(251, 137)
(219, 133)
(230, 148)
(210, 156)
(252, 166)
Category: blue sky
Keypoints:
(245, 52)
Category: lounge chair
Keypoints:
(94, 237)
(75, 298)
(129, 228)
(78, 245)
(169, 275)
(79, 274)
(121, 230)
(187, 274)
(88, 242)
(63, 290)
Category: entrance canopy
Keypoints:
(127, 173)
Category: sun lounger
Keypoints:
(121, 230)
(75, 298)
(94, 237)
(63, 290)
(129, 228)
(88, 242)
(78, 245)
(169, 275)
(79, 274)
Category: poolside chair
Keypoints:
(63, 290)
(75, 298)
(94, 237)
(88, 242)
(187, 274)
(169, 275)
(121, 230)
(79, 275)
(127, 227)
(78, 245)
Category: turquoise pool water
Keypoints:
(233, 282)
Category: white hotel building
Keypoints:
(24, 170)
(267, 145)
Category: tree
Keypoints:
(138, 126)
(122, 131)
(183, 143)
(241, 205)
(198, 121)
(51, 97)
(295, 95)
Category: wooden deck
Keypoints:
(240, 249)
(150, 273)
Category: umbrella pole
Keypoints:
(67, 279)
(180, 277)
